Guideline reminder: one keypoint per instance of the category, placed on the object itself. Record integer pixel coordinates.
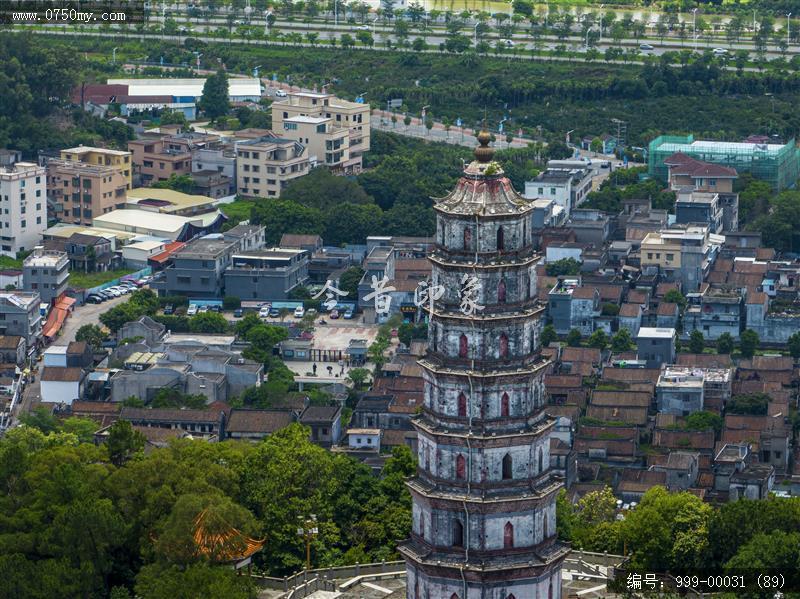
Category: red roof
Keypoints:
(169, 249)
(681, 164)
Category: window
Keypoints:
(501, 241)
(462, 346)
(504, 406)
(712, 182)
(508, 536)
(503, 346)
(290, 126)
(541, 460)
(462, 405)
(541, 191)
(467, 238)
(501, 292)
(147, 163)
(552, 191)
(461, 467)
(458, 534)
(507, 467)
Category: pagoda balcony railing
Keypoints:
(459, 553)
(499, 488)
(525, 362)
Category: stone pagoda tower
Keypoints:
(484, 513)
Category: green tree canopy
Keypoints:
(215, 101)
(725, 343)
(574, 338)
(91, 334)
(208, 322)
(696, 342)
(748, 343)
(565, 266)
(622, 341)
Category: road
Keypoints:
(86, 314)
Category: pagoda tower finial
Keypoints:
(484, 153)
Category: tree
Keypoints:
(793, 344)
(161, 581)
(208, 322)
(349, 279)
(622, 341)
(91, 334)
(123, 442)
(230, 302)
(598, 339)
(771, 552)
(696, 342)
(725, 344)
(748, 343)
(574, 338)
(674, 296)
(755, 404)
(549, 335)
(215, 101)
(596, 146)
(563, 267)
(285, 216)
(358, 376)
(701, 421)
(182, 183)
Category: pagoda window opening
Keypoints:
(544, 525)
(467, 238)
(461, 467)
(541, 460)
(501, 292)
(503, 346)
(462, 405)
(549, 589)
(508, 536)
(511, 596)
(504, 406)
(454, 596)
(501, 239)
(507, 467)
(458, 534)
(463, 346)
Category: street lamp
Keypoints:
(423, 113)
(114, 56)
(197, 56)
(694, 27)
(336, 12)
(476, 32)
(267, 14)
(788, 25)
(308, 531)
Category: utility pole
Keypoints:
(308, 531)
(114, 56)
(694, 27)
(788, 25)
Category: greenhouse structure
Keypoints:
(777, 164)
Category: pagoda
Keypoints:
(484, 498)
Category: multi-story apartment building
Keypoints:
(23, 207)
(116, 159)
(566, 182)
(157, 159)
(682, 253)
(327, 144)
(266, 165)
(353, 117)
(198, 268)
(715, 311)
(79, 192)
(19, 315)
(46, 272)
(268, 274)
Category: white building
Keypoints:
(240, 89)
(61, 385)
(23, 207)
(364, 438)
(565, 182)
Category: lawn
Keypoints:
(9, 262)
(237, 211)
(87, 280)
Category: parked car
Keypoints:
(95, 299)
(311, 312)
(216, 308)
(507, 43)
(238, 313)
(169, 309)
(264, 311)
(112, 291)
(192, 310)
(299, 312)
(646, 47)
(348, 315)
(719, 51)
(202, 309)
(105, 295)
(335, 313)
(280, 93)
(274, 313)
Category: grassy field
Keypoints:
(87, 280)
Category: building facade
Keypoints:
(265, 166)
(266, 274)
(23, 217)
(80, 192)
(483, 515)
(47, 273)
(119, 160)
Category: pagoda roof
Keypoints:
(220, 541)
(483, 190)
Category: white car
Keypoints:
(112, 291)
(299, 312)
(507, 43)
(362, 28)
(192, 310)
(279, 93)
(263, 311)
(719, 51)
(646, 47)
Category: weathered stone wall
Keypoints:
(422, 586)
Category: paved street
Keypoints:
(87, 314)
